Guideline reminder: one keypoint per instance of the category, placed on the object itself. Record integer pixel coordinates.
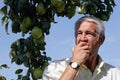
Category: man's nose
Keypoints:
(83, 37)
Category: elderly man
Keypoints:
(85, 63)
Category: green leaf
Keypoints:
(113, 3)
(4, 19)
(6, 27)
(19, 77)
(70, 11)
(18, 71)
(44, 65)
(2, 78)
(49, 58)
(15, 27)
(4, 65)
(20, 4)
(3, 10)
(109, 8)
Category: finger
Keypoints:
(86, 47)
(82, 44)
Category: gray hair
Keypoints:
(97, 21)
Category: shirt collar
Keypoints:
(98, 67)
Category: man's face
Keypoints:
(87, 34)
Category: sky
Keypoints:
(61, 40)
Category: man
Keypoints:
(85, 63)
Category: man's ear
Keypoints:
(102, 40)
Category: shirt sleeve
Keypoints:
(54, 70)
(115, 74)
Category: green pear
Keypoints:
(36, 32)
(41, 9)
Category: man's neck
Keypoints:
(92, 62)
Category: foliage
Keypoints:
(2, 78)
(3, 66)
(34, 17)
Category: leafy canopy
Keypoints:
(34, 17)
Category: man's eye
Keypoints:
(79, 33)
(90, 33)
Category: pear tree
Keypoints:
(34, 17)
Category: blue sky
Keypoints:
(61, 40)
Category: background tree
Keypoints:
(34, 17)
(3, 66)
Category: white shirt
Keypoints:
(103, 71)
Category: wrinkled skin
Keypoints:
(87, 44)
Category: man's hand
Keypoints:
(80, 53)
